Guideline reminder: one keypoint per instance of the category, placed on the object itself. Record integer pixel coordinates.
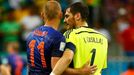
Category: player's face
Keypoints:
(69, 19)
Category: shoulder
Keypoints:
(54, 33)
(69, 32)
(58, 35)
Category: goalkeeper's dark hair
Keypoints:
(79, 7)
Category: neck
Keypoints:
(81, 24)
(54, 23)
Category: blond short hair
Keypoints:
(52, 9)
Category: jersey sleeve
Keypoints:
(58, 47)
(71, 40)
(105, 61)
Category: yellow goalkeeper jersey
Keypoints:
(90, 46)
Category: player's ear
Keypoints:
(77, 16)
(42, 15)
(60, 15)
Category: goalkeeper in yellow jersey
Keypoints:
(86, 43)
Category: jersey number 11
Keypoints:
(41, 50)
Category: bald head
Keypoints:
(52, 10)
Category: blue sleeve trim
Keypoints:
(71, 46)
(57, 53)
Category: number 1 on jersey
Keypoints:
(93, 56)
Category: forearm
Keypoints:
(5, 70)
(71, 71)
(63, 63)
(84, 70)
(61, 66)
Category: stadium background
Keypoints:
(111, 17)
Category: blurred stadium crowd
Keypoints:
(113, 18)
